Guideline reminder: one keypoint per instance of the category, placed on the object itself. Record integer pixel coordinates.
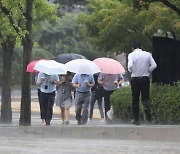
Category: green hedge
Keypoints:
(165, 104)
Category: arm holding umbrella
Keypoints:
(89, 84)
(91, 81)
(54, 82)
(100, 79)
(40, 79)
(66, 78)
(101, 82)
(61, 81)
(76, 85)
(120, 80)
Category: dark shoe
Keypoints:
(66, 122)
(48, 124)
(79, 122)
(135, 122)
(84, 123)
(148, 115)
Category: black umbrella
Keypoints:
(66, 57)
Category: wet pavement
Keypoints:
(32, 145)
(94, 138)
(56, 139)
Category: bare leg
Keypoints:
(62, 114)
(67, 113)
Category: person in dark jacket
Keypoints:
(96, 95)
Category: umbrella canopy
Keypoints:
(82, 66)
(66, 57)
(30, 66)
(109, 66)
(50, 67)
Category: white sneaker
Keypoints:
(110, 114)
(89, 120)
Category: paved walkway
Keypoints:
(33, 145)
(94, 138)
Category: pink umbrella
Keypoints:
(109, 66)
(31, 65)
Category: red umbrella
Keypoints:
(109, 66)
(30, 66)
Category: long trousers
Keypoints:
(139, 86)
(82, 101)
(47, 100)
(99, 101)
(107, 103)
(40, 102)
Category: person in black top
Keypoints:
(96, 95)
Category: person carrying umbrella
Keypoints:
(83, 84)
(64, 96)
(110, 83)
(39, 97)
(47, 85)
(96, 95)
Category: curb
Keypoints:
(116, 132)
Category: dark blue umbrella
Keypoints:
(66, 57)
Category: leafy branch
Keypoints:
(10, 17)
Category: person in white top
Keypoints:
(140, 64)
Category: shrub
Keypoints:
(121, 102)
(165, 104)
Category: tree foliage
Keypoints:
(65, 36)
(113, 25)
(172, 4)
(12, 25)
(18, 18)
(16, 75)
(70, 3)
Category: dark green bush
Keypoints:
(121, 102)
(165, 104)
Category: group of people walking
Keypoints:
(91, 88)
(87, 89)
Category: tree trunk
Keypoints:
(171, 6)
(6, 111)
(25, 114)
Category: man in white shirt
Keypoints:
(140, 64)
